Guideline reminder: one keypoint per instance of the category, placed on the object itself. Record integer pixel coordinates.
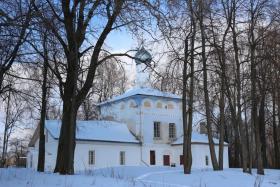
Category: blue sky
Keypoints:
(120, 40)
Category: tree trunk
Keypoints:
(205, 87)
(67, 141)
(253, 77)
(239, 124)
(6, 128)
(248, 140)
(41, 158)
(1, 79)
(67, 137)
(275, 133)
(222, 126)
(187, 144)
(188, 129)
(234, 118)
(239, 130)
(254, 114)
(262, 129)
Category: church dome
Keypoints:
(143, 56)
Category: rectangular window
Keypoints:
(156, 129)
(122, 158)
(91, 157)
(46, 137)
(31, 160)
(172, 131)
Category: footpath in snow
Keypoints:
(139, 177)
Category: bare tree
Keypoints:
(14, 112)
(15, 17)
(203, 7)
(254, 11)
(41, 156)
(188, 123)
(70, 23)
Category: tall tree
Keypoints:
(41, 156)
(238, 120)
(188, 115)
(203, 7)
(253, 14)
(70, 22)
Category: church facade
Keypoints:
(143, 126)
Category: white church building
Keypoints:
(143, 126)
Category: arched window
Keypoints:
(147, 104)
(159, 105)
(132, 104)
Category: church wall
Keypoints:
(164, 111)
(160, 150)
(141, 117)
(31, 160)
(106, 154)
(125, 111)
(152, 109)
(164, 115)
(199, 153)
(50, 150)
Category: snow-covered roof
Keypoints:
(107, 131)
(197, 138)
(142, 91)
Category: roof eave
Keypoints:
(201, 143)
(34, 137)
(108, 102)
(107, 141)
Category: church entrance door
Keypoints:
(166, 160)
(152, 157)
(181, 159)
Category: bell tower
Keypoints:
(142, 59)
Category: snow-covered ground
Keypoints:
(139, 177)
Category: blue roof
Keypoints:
(141, 91)
(94, 130)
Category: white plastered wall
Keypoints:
(107, 154)
(199, 153)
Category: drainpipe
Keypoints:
(141, 133)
